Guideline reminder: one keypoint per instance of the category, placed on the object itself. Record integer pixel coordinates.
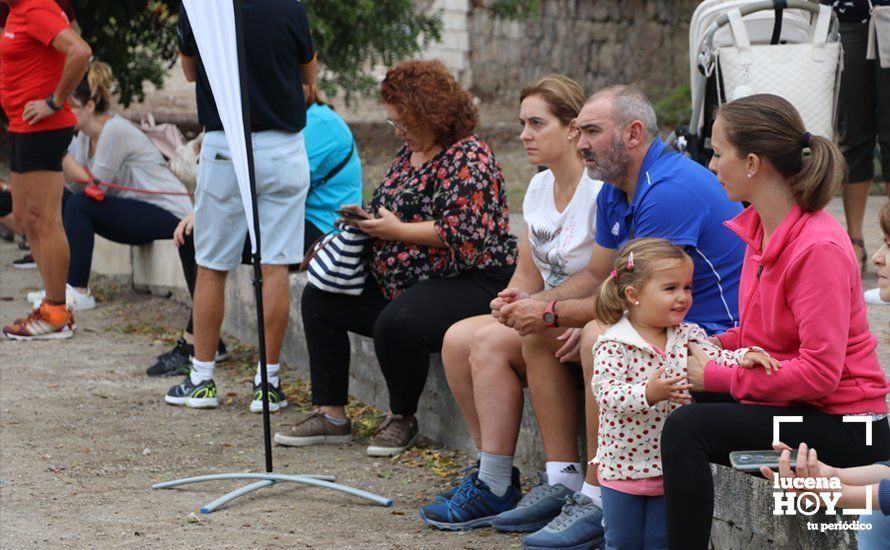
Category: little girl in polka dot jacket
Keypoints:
(639, 377)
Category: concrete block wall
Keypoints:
(154, 267)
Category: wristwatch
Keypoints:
(550, 317)
(52, 103)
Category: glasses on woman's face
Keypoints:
(396, 124)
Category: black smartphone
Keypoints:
(353, 215)
(752, 461)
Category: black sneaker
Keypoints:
(25, 262)
(180, 347)
(201, 396)
(222, 354)
(173, 363)
(277, 400)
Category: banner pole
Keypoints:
(257, 269)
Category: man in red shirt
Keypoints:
(42, 60)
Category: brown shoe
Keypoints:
(394, 436)
(314, 429)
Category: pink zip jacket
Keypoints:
(801, 300)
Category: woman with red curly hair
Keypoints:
(441, 251)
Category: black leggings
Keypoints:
(118, 219)
(405, 330)
(697, 435)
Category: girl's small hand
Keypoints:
(667, 389)
(755, 358)
(387, 226)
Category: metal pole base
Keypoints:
(268, 479)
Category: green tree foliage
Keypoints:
(352, 36)
(138, 37)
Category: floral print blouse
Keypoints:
(462, 190)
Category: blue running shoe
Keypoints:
(442, 497)
(578, 527)
(535, 510)
(468, 474)
(472, 505)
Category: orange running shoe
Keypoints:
(47, 322)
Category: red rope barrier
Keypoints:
(93, 181)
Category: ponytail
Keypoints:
(610, 304)
(769, 126)
(96, 86)
(821, 171)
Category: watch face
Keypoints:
(548, 317)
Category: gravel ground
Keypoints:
(84, 433)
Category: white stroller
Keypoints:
(742, 47)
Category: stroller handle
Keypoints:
(812, 7)
(723, 19)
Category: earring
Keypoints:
(637, 303)
(749, 176)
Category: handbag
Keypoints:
(807, 75)
(336, 262)
(166, 137)
(879, 27)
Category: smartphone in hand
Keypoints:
(353, 212)
(752, 461)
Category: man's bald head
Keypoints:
(628, 104)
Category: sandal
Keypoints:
(863, 256)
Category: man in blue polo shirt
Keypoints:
(651, 191)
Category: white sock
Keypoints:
(595, 494)
(335, 421)
(271, 374)
(566, 473)
(496, 471)
(201, 371)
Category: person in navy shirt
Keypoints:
(650, 191)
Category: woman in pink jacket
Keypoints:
(800, 300)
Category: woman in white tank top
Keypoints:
(483, 358)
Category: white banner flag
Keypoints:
(213, 25)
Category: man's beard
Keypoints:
(611, 166)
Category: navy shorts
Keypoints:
(33, 151)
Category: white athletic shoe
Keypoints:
(76, 300)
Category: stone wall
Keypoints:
(638, 42)
(454, 47)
